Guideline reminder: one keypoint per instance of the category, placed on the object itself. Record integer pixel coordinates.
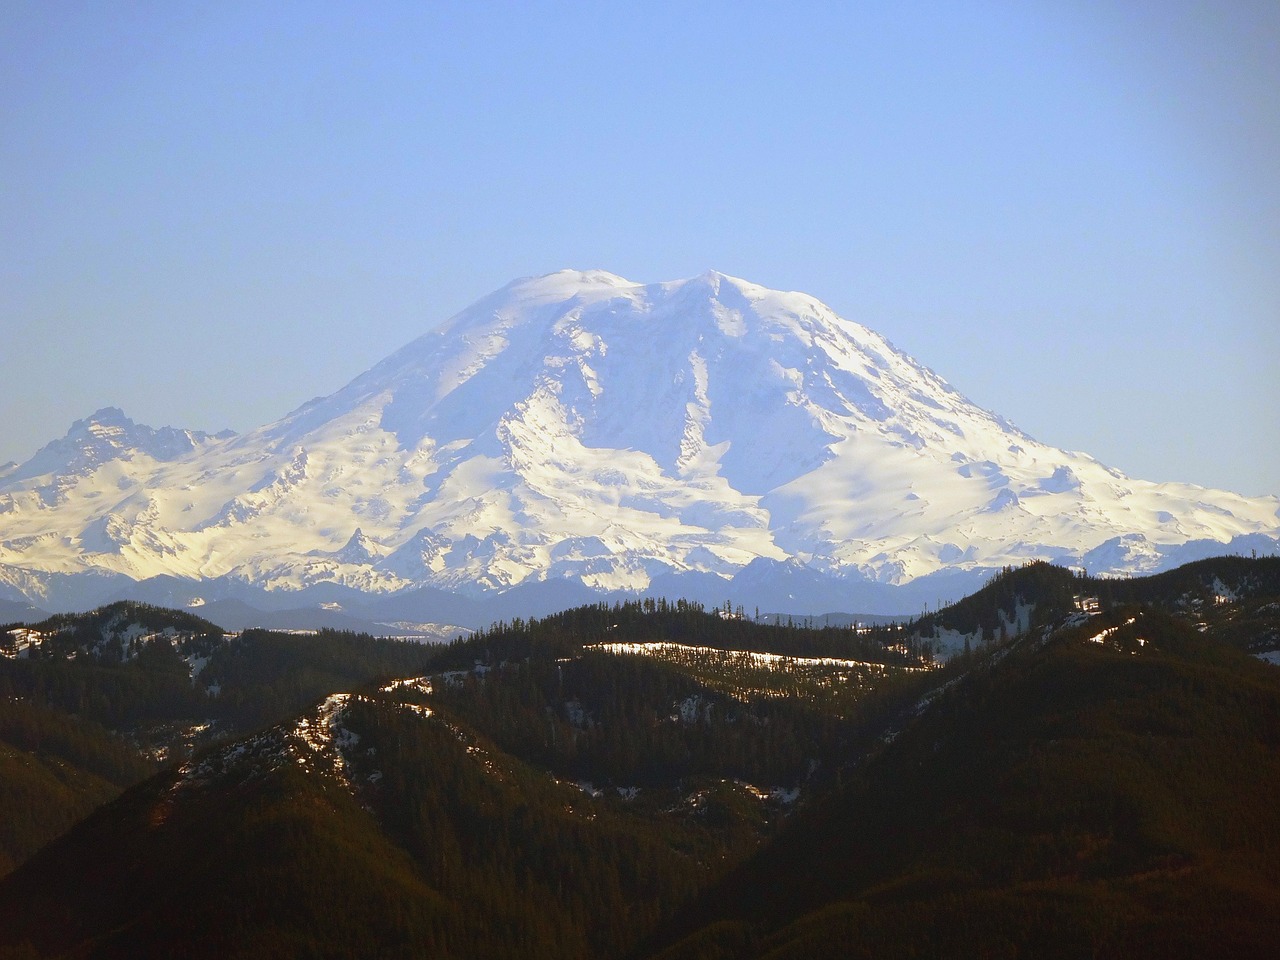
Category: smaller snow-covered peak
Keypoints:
(106, 435)
(359, 549)
(107, 417)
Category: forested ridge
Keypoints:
(1106, 799)
(657, 779)
(83, 715)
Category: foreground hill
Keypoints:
(537, 794)
(55, 769)
(93, 703)
(582, 429)
(1102, 789)
(293, 844)
(1095, 776)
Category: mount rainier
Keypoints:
(700, 437)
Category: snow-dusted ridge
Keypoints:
(583, 427)
(317, 741)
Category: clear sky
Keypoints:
(211, 212)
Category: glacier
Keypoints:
(580, 428)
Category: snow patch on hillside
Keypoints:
(328, 742)
(770, 660)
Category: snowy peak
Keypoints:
(582, 428)
(104, 436)
(565, 284)
(652, 363)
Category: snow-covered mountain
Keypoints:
(579, 427)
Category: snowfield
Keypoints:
(582, 427)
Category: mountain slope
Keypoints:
(1099, 784)
(365, 827)
(582, 427)
(54, 770)
(92, 703)
(1106, 792)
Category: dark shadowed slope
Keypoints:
(1108, 791)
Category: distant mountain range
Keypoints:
(577, 435)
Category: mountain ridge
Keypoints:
(581, 427)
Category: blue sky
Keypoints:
(1070, 210)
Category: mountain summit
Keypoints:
(582, 427)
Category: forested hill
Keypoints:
(648, 779)
(1104, 789)
(1038, 595)
(682, 622)
(92, 703)
(529, 792)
